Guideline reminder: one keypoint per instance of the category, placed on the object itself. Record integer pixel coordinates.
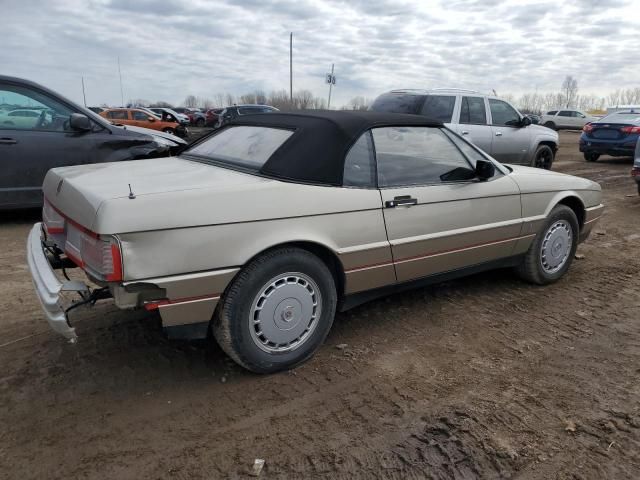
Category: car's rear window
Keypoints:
(243, 146)
(621, 117)
(398, 103)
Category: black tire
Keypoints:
(200, 122)
(531, 269)
(591, 157)
(543, 158)
(234, 318)
(169, 130)
(550, 125)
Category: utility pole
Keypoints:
(331, 80)
(121, 91)
(83, 94)
(291, 67)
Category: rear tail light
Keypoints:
(53, 222)
(630, 129)
(587, 128)
(101, 257)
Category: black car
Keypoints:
(236, 111)
(40, 130)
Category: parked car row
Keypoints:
(141, 117)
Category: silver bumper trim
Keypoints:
(48, 287)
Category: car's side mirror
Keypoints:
(151, 119)
(526, 121)
(79, 122)
(485, 169)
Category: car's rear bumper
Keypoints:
(616, 148)
(49, 289)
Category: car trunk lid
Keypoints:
(78, 192)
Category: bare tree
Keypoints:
(191, 101)
(358, 103)
(570, 90)
(161, 103)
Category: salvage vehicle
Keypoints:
(62, 133)
(230, 113)
(259, 232)
(492, 124)
(141, 117)
(566, 119)
(616, 135)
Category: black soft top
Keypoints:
(315, 153)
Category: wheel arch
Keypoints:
(325, 253)
(574, 203)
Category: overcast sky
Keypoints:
(169, 49)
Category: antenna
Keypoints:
(121, 92)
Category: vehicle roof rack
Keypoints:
(427, 90)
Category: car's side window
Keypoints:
(118, 114)
(503, 114)
(439, 107)
(359, 164)
(577, 114)
(140, 116)
(25, 109)
(417, 156)
(473, 111)
(565, 113)
(552, 112)
(472, 152)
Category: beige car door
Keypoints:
(437, 218)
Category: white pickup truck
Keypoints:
(567, 119)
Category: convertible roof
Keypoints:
(315, 153)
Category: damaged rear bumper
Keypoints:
(50, 290)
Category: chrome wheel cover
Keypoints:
(285, 312)
(556, 246)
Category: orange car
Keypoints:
(142, 118)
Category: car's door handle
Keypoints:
(464, 132)
(498, 134)
(8, 141)
(401, 201)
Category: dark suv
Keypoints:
(230, 113)
(40, 130)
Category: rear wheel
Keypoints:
(543, 158)
(550, 125)
(277, 311)
(168, 130)
(591, 157)
(200, 122)
(551, 253)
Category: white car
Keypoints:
(566, 119)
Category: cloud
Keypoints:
(171, 49)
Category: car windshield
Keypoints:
(621, 117)
(243, 146)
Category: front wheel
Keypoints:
(277, 312)
(551, 253)
(543, 158)
(591, 157)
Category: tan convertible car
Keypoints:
(256, 234)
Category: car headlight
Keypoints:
(164, 142)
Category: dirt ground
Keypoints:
(485, 377)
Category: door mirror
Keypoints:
(79, 122)
(151, 119)
(485, 169)
(526, 121)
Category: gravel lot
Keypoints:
(486, 377)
